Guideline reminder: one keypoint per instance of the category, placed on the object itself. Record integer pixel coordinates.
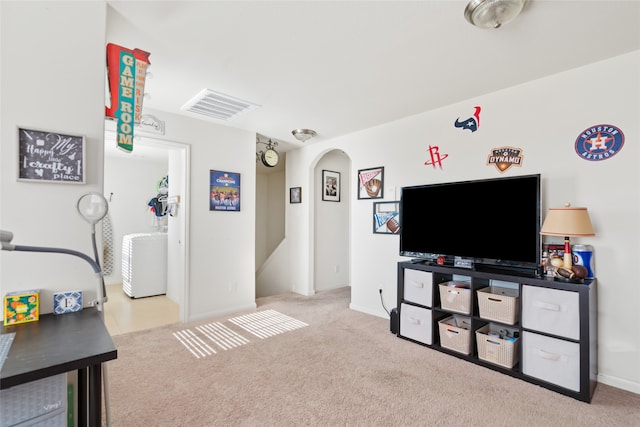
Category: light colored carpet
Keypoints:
(340, 368)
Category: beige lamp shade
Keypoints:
(567, 222)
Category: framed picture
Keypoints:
(224, 191)
(50, 156)
(371, 183)
(295, 195)
(386, 217)
(330, 186)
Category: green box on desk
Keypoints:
(21, 307)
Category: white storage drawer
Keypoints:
(416, 323)
(418, 287)
(551, 359)
(552, 311)
(40, 403)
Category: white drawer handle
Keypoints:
(546, 306)
(418, 284)
(414, 320)
(551, 356)
(494, 299)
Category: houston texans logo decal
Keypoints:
(472, 123)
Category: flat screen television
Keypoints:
(489, 222)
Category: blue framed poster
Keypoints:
(224, 191)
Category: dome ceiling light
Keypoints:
(492, 13)
(303, 134)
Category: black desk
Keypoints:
(56, 344)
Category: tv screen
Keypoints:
(492, 222)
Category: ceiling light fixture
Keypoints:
(492, 13)
(303, 134)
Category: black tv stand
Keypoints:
(425, 306)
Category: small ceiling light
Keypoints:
(492, 13)
(303, 134)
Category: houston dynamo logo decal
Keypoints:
(599, 142)
(505, 157)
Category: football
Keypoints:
(393, 226)
(580, 271)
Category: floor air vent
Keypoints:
(217, 105)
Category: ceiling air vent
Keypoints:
(217, 105)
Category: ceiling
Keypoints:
(341, 66)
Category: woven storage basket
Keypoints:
(495, 349)
(455, 296)
(455, 333)
(498, 304)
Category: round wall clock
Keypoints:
(270, 157)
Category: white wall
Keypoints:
(271, 198)
(221, 265)
(50, 79)
(542, 117)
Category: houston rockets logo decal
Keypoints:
(435, 158)
(599, 142)
(505, 157)
(472, 123)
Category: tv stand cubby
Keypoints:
(548, 336)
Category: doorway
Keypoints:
(129, 184)
(331, 263)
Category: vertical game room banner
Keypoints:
(127, 71)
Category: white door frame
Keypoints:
(181, 264)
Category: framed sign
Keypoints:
(330, 186)
(386, 218)
(295, 195)
(50, 156)
(371, 183)
(224, 191)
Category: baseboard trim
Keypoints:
(213, 314)
(367, 310)
(619, 383)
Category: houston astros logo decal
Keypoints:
(599, 142)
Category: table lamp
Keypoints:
(567, 222)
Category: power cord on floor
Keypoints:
(382, 302)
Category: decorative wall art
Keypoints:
(472, 123)
(386, 218)
(371, 183)
(127, 71)
(330, 186)
(224, 191)
(50, 156)
(505, 157)
(435, 157)
(599, 142)
(295, 195)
